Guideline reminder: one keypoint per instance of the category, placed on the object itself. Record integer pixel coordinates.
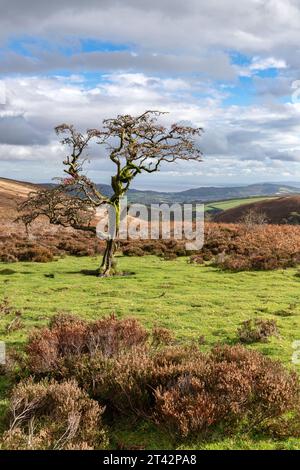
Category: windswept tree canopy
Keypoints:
(134, 144)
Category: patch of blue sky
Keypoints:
(240, 59)
(29, 46)
(242, 94)
(87, 80)
(267, 73)
(94, 45)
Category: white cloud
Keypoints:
(240, 142)
(178, 59)
(259, 63)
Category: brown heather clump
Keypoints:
(161, 336)
(182, 389)
(257, 330)
(68, 337)
(52, 415)
(44, 243)
(235, 247)
(236, 389)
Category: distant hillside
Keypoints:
(217, 207)
(277, 211)
(13, 192)
(206, 194)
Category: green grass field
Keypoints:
(189, 299)
(231, 203)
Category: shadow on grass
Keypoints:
(9, 272)
(95, 273)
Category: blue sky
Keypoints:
(78, 63)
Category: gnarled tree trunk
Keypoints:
(109, 265)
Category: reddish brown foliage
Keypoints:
(184, 390)
(233, 247)
(236, 387)
(69, 336)
(44, 242)
(264, 247)
(51, 415)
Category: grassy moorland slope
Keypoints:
(277, 210)
(231, 203)
(12, 192)
(191, 300)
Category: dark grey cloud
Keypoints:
(174, 25)
(17, 131)
(284, 156)
(270, 88)
(217, 66)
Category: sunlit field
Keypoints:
(191, 300)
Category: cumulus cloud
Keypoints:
(259, 63)
(255, 24)
(215, 66)
(233, 136)
(186, 57)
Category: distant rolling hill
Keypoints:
(277, 211)
(217, 199)
(206, 194)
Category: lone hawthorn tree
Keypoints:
(135, 145)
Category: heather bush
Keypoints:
(132, 250)
(196, 259)
(68, 336)
(264, 247)
(52, 415)
(75, 248)
(236, 248)
(44, 243)
(184, 390)
(257, 330)
(237, 389)
(161, 336)
(36, 253)
(26, 252)
(284, 427)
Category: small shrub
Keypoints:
(161, 336)
(284, 427)
(39, 254)
(8, 258)
(169, 256)
(5, 307)
(185, 408)
(51, 415)
(257, 330)
(133, 251)
(201, 340)
(236, 389)
(75, 248)
(68, 336)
